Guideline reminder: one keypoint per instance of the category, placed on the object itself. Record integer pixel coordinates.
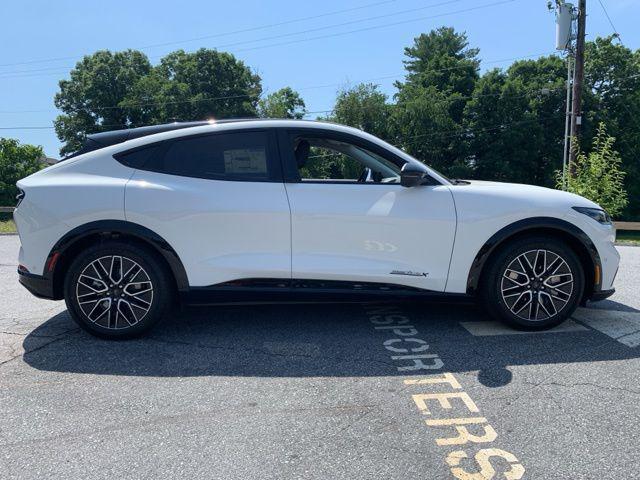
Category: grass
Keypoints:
(627, 237)
(6, 223)
(7, 226)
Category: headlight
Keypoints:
(597, 214)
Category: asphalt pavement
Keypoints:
(323, 391)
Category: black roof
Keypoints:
(96, 141)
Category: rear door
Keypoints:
(219, 200)
(352, 220)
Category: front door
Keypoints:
(352, 220)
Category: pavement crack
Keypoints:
(14, 333)
(54, 339)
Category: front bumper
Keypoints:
(39, 286)
(601, 294)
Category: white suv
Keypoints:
(272, 210)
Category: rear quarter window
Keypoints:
(137, 158)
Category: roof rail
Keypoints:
(96, 141)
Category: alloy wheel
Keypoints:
(114, 292)
(537, 285)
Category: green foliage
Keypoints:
(365, 107)
(7, 226)
(597, 176)
(89, 100)
(428, 116)
(362, 106)
(442, 59)
(16, 162)
(506, 124)
(285, 103)
(325, 164)
(195, 86)
(612, 96)
(108, 91)
(515, 119)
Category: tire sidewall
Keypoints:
(492, 292)
(147, 260)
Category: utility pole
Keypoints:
(578, 80)
(566, 18)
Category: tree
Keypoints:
(16, 162)
(514, 122)
(598, 176)
(362, 106)
(91, 100)
(612, 96)
(196, 86)
(285, 103)
(428, 118)
(365, 107)
(107, 91)
(442, 59)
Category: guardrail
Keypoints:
(628, 226)
(633, 226)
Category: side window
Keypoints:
(221, 156)
(137, 158)
(325, 159)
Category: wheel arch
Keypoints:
(65, 249)
(561, 229)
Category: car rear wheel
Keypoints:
(533, 283)
(117, 291)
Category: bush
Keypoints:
(16, 162)
(597, 176)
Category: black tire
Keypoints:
(504, 289)
(118, 310)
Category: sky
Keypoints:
(314, 47)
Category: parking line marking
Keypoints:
(621, 326)
(493, 328)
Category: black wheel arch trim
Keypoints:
(520, 227)
(111, 229)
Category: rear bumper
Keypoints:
(601, 294)
(39, 286)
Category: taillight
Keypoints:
(19, 197)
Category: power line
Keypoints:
(339, 84)
(610, 21)
(541, 91)
(325, 27)
(418, 19)
(23, 73)
(463, 131)
(234, 32)
(403, 143)
(274, 37)
(462, 97)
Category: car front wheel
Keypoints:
(115, 290)
(533, 283)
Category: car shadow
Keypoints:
(611, 305)
(311, 340)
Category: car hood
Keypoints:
(530, 194)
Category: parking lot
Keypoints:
(331, 391)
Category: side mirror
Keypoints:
(412, 175)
